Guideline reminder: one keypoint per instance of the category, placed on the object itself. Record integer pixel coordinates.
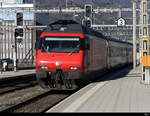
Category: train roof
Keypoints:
(70, 26)
(64, 26)
(116, 40)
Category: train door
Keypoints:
(127, 54)
(89, 44)
(108, 55)
(86, 54)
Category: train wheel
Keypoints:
(42, 79)
(42, 84)
(54, 83)
(68, 83)
(50, 84)
(58, 80)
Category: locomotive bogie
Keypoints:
(59, 80)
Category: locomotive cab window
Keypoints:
(60, 44)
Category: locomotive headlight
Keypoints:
(58, 63)
(42, 67)
(74, 68)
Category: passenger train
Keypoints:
(70, 54)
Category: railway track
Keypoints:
(16, 83)
(14, 80)
(17, 87)
(39, 103)
(21, 94)
(34, 99)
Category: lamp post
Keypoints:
(1, 34)
(134, 35)
(66, 3)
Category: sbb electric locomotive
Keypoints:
(70, 53)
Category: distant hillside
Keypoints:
(101, 18)
(95, 3)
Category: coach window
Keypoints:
(87, 45)
(109, 49)
(82, 44)
(39, 45)
(112, 52)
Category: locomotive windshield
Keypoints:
(60, 45)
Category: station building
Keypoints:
(7, 32)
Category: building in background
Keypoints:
(7, 38)
(24, 48)
(28, 1)
(1, 35)
(11, 1)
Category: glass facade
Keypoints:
(8, 21)
(11, 1)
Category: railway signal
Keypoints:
(19, 19)
(88, 10)
(18, 38)
(88, 23)
(88, 15)
(18, 32)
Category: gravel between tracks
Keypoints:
(15, 97)
(42, 104)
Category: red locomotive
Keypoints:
(70, 53)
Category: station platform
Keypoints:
(8, 74)
(121, 92)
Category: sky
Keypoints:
(11, 1)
